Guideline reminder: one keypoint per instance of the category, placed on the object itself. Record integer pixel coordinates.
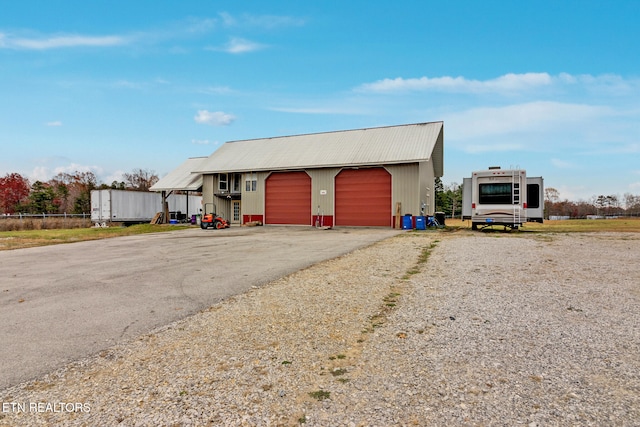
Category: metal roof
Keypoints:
(182, 178)
(361, 147)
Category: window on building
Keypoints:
(237, 182)
(251, 182)
(223, 184)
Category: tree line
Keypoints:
(449, 201)
(64, 193)
(601, 205)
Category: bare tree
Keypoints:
(140, 179)
(551, 195)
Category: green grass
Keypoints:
(320, 394)
(31, 238)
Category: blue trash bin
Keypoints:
(407, 222)
(421, 223)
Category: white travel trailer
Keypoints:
(505, 197)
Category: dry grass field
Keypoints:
(626, 225)
(31, 238)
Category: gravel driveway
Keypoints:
(421, 329)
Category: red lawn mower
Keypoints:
(211, 219)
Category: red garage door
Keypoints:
(288, 198)
(363, 197)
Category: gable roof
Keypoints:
(181, 178)
(360, 147)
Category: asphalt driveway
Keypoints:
(61, 303)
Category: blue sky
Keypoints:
(112, 86)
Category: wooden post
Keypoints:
(398, 224)
(165, 207)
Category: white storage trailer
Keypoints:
(505, 197)
(138, 206)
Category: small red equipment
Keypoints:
(211, 219)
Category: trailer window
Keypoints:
(533, 196)
(495, 194)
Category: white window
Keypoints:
(223, 184)
(251, 182)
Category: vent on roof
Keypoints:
(493, 167)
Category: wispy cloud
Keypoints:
(260, 21)
(494, 128)
(75, 167)
(46, 172)
(506, 84)
(59, 42)
(215, 118)
(193, 27)
(238, 45)
(54, 123)
(319, 110)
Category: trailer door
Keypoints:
(466, 198)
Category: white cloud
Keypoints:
(74, 167)
(529, 117)
(261, 21)
(238, 45)
(203, 25)
(216, 118)
(45, 173)
(117, 176)
(54, 123)
(57, 42)
(319, 110)
(40, 173)
(506, 83)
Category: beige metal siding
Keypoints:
(405, 188)
(253, 201)
(207, 188)
(427, 186)
(323, 180)
(412, 184)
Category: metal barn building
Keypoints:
(361, 177)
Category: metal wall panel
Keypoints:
(323, 190)
(427, 187)
(406, 187)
